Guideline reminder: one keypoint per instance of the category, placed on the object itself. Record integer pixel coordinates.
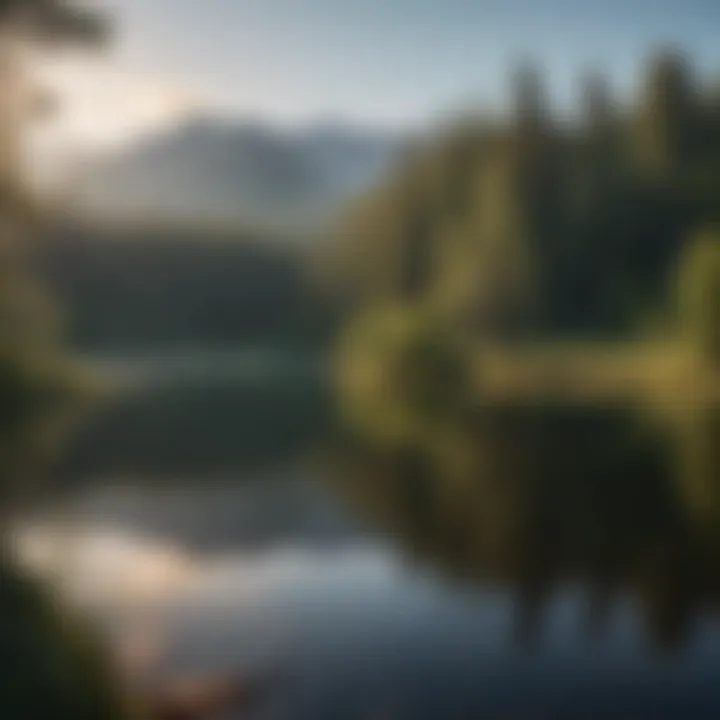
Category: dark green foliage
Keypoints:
(536, 226)
(35, 371)
(126, 288)
(50, 666)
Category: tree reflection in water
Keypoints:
(532, 498)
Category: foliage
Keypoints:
(35, 370)
(51, 666)
(126, 288)
(699, 293)
(398, 367)
(52, 21)
(540, 225)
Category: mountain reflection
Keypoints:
(531, 498)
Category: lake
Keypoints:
(517, 563)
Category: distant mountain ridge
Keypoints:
(215, 171)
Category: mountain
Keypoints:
(208, 170)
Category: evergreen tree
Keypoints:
(537, 225)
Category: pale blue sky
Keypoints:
(397, 60)
(382, 62)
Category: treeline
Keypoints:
(125, 288)
(541, 225)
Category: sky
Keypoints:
(386, 63)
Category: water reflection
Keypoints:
(185, 428)
(532, 498)
(514, 562)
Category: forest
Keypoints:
(597, 222)
(143, 289)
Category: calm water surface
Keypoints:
(520, 564)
